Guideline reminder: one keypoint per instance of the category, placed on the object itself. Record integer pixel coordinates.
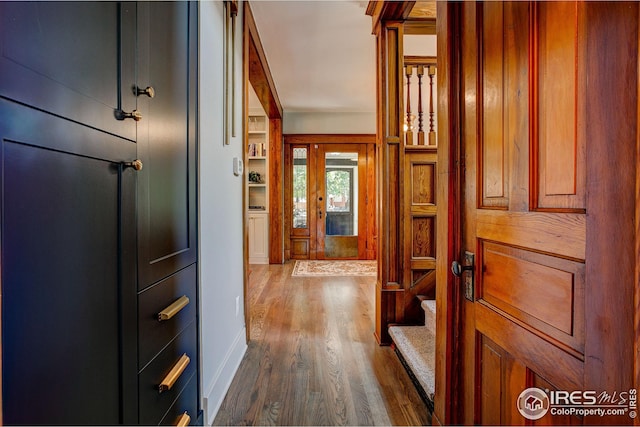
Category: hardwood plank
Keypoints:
(314, 360)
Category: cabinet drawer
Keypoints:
(153, 404)
(154, 335)
(187, 403)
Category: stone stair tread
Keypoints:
(417, 344)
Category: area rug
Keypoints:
(306, 268)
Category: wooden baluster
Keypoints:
(432, 131)
(408, 69)
(420, 73)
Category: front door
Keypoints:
(340, 225)
(534, 329)
(327, 187)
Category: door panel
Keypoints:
(66, 291)
(300, 181)
(523, 212)
(167, 233)
(54, 53)
(341, 191)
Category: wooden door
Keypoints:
(340, 201)
(545, 310)
(313, 235)
(68, 213)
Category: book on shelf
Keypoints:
(257, 149)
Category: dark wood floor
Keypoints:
(313, 359)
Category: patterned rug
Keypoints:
(306, 268)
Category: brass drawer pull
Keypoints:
(174, 374)
(184, 420)
(173, 309)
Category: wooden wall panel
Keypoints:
(492, 147)
(557, 142)
(423, 237)
(423, 184)
(419, 227)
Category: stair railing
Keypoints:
(421, 65)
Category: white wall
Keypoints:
(222, 338)
(312, 122)
(419, 45)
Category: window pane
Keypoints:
(341, 172)
(300, 180)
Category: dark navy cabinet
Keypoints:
(92, 250)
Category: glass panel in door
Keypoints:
(341, 206)
(300, 188)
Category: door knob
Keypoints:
(135, 115)
(136, 164)
(457, 269)
(149, 91)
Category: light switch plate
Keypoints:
(238, 167)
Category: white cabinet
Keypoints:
(258, 238)
(257, 176)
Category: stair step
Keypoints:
(429, 307)
(417, 345)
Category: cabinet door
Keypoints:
(68, 281)
(167, 36)
(259, 239)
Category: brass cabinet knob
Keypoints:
(136, 164)
(135, 115)
(149, 91)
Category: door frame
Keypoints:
(369, 213)
(255, 72)
(448, 298)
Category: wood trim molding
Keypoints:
(259, 72)
(276, 193)
(448, 211)
(420, 60)
(420, 26)
(329, 138)
(388, 11)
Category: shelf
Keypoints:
(254, 184)
(257, 132)
(257, 158)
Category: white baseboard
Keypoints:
(213, 397)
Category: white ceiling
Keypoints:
(321, 54)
